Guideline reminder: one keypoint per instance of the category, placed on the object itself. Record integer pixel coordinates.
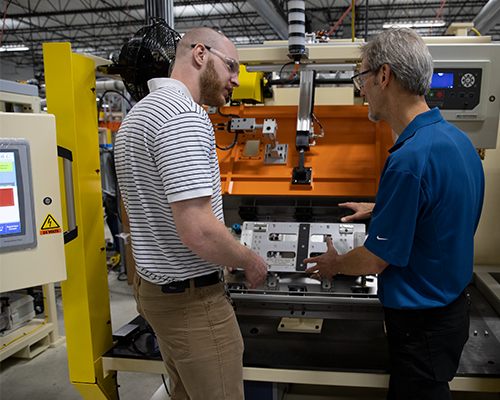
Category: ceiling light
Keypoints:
(428, 24)
(388, 25)
(16, 47)
(418, 24)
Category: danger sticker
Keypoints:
(50, 226)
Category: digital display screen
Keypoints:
(10, 188)
(441, 80)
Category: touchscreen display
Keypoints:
(441, 80)
(10, 211)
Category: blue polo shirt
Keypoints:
(428, 206)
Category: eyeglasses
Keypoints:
(232, 65)
(358, 81)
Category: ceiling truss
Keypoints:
(101, 27)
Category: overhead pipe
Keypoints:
(302, 67)
(317, 81)
(269, 14)
(488, 17)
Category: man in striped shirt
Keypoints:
(169, 178)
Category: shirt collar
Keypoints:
(421, 120)
(158, 83)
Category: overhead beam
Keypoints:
(269, 14)
(488, 17)
(76, 11)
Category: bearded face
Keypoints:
(211, 86)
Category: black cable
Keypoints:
(165, 384)
(99, 104)
(122, 280)
(284, 392)
(230, 146)
(281, 70)
(235, 140)
(227, 115)
(117, 385)
(319, 123)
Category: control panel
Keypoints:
(465, 89)
(455, 88)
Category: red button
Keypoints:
(439, 94)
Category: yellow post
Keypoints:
(70, 87)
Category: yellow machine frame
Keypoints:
(70, 80)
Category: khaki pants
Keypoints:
(199, 339)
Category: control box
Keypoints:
(465, 89)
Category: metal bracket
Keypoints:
(277, 154)
(301, 175)
(272, 282)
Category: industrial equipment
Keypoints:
(275, 194)
(16, 311)
(297, 329)
(31, 217)
(31, 230)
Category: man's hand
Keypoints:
(256, 271)
(326, 264)
(362, 211)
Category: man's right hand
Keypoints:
(255, 271)
(362, 211)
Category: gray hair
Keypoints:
(406, 54)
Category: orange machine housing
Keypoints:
(346, 162)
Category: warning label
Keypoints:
(50, 226)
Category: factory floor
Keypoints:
(46, 376)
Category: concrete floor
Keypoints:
(46, 376)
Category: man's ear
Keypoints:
(385, 74)
(200, 54)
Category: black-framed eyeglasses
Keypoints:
(232, 65)
(358, 80)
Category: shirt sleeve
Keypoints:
(392, 228)
(182, 156)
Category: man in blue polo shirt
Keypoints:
(421, 236)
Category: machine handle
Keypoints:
(67, 156)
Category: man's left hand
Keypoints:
(327, 264)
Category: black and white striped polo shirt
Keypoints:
(165, 152)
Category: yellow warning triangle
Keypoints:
(49, 223)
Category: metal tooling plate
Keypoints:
(285, 244)
(349, 345)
